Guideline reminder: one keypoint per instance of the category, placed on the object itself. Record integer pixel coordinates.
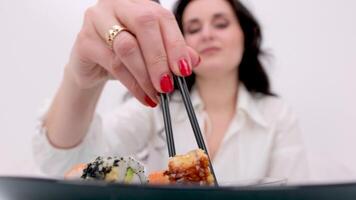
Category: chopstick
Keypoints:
(168, 125)
(191, 114)
(182, 86)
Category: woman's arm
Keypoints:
(71, 112)
(125, 131)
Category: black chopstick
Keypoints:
(168, 125)
(167, 120)
(193, 120)
(182, 86)
(191, 114)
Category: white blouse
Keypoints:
(263, 139)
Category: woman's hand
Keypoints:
(142, 58)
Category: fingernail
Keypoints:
(150, 102)
(166, 83)
(184, 67)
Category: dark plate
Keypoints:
(34, 188)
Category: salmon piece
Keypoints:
(75, 172)
(158, 178)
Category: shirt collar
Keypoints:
(246, 103)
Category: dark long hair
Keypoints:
(251, 72)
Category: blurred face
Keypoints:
(211, 28)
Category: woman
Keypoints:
(249, 132)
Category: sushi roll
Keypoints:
(111, 169)
(191, 168)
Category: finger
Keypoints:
(120, 72)
(179, 59)
(128, 51)
(146, 28)
(126, 47)
(89, 45)
(94, 50)
(101, 23)
(99, 53)
(174, 44)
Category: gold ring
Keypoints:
(112, 33)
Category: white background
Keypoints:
(313, 44)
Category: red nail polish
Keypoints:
(184, 67)
(150, 102)
(166, 83)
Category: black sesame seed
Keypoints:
(116, 162)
